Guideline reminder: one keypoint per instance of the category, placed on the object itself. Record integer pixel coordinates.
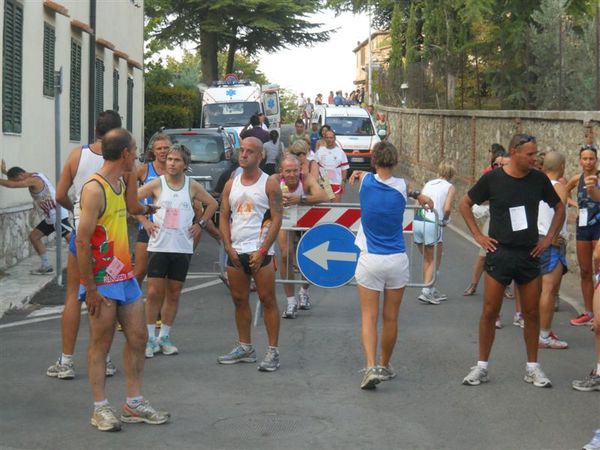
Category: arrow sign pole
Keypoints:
(320, 255)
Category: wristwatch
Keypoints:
(202, 223)
(302, 199)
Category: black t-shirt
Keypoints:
(514, 204)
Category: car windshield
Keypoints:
(205, 149)
(351, 126)
(234, 114)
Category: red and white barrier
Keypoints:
(347, 216)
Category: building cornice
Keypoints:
(56, 8)
(105, 43)
(81, 26)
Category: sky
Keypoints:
(325, 67)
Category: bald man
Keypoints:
(251, 213)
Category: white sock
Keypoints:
(246, 346)
(165, 330)
(291, 300)
(66, 359)
(544, 334)
(151, 330)
(598, 369)
(276, 349)
(483, 364)
(45, 260)
(108, 358)
(134, 401)
(426, 291)
(304, 290)
(532, 365)
(100, 404)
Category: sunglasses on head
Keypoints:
(298, 153)
(589, 147)
(525, 138)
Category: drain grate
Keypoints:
(269, 424)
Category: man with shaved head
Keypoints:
(250, 221)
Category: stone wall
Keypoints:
(425, 138)
(15, 225)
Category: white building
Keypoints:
(38, 37)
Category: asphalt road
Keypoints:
(314, 400)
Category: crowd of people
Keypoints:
(515, 211)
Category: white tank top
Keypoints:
(89, 164)
(437, 190)
(290, 213)
(250, 214)
(545, 215)
(175, 216)
(45, 201)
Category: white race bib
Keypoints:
(518, 218)
(583, 217)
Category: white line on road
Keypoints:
(44, 319)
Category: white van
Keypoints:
(354, 130)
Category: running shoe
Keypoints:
(588, 384)
(237, 355)
(537, 377)
(476, 376)
(270, 363)
(582, 319)
(61, 371)
(371, 378)
(143, 412)
(111, 369)
(152, 347)
(166, 346)
(594, 444)
(386, 372)
(428, 298)
(498, 323)
(290, 311)
(42, 270)
(304, 300)
(439, 296)
(553, 342)
(105, 419)
(518, 320)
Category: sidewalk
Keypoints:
(18, 286)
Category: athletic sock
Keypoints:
(151, 330)
(100, 404)
(427, 291)
(544, 334)
(532, 365)
(291, 300)
(598, 369)
(134, 402)
(45, 260)
(246, 346)
(304, 290)
(165, 331)
(483, 364)
(108, 358)
(66, 359)
(276, 349)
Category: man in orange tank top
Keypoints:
(108, 285)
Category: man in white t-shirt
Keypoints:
(333, 164)
(300, 103)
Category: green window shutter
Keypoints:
(75, 92)
(130, 103)
(12, 67)
(115, 90)
(48, 63)
(99, 97)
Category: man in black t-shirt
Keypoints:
(513, 249)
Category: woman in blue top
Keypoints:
(383, 264)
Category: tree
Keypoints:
(220, 25)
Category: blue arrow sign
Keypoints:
(327, 256)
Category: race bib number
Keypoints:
(171, 218)
(583, 217)
(114, 268)
(518, 218)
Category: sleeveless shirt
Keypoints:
(174, 217)
(545, 215)
(151, 174)
(45, 201)
(437, 190)
(89, 164)
(584, 201)
(290, 213)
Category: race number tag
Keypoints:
(172, 218)
(114, 268)
(518, 218)
(583, 217)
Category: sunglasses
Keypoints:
(298, 153)
(525, 138)
(589, 147)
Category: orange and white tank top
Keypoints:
(111, 258)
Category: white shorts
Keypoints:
(380, 272)
(425, 232)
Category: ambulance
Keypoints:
(230, 102)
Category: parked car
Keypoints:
(211, 150)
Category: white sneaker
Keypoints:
(439, 296)
(428, 298)
(537, 377)
(476, 376)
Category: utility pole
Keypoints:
(597, 54)
(370, 71)
(57, 168)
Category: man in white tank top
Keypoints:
(42, 193)
(171, 243)
(553, 262)
(250, 221)
(297, 189)
(83, 162)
